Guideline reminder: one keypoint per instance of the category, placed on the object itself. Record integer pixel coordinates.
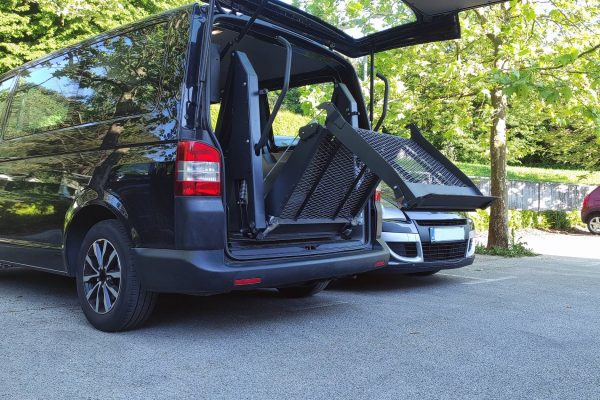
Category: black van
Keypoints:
(112, 171)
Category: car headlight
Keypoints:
(471, 224)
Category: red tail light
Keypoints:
(586, 201)
(198, 169)
(378, 194)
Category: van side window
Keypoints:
(120, 76)
(117, 77)
(5, 88)
(41, 101)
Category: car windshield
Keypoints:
(358, 18)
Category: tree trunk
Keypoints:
(498, 229)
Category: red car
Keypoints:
(590, 211)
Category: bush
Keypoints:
(516, 248)
(522, 219)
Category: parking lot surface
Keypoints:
(525, 328)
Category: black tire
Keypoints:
(592, 224)
(305, 290)
(132, 305)
(425, 273)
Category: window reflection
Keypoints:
(114, 78)
(5, 88)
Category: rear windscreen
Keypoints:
(358, 18)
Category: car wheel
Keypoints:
(305, 290)
(594, 224)
(425, 273)
(108, 288)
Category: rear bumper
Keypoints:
(209, 272)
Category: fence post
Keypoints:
(539, 197)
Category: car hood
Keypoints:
(433, 20)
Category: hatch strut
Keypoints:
(246, 28)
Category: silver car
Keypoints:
(424, 243)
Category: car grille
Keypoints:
(447, 222)
(403, 249)
(444, 251)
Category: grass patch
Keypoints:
(536, 174)
(512, 251)
(516, 248)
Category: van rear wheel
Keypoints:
(305, 290)
(108, 288)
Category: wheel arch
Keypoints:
(78, 223)
(591, 214)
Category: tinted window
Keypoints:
(42, 99)
(5, 88)
(117, 77)
(121, 76)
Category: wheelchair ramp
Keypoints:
(334, 170)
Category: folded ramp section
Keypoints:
(322, 182)
(422, 178)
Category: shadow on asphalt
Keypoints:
(27, 280)
(255, 307)
(41, 290)
(387, 281)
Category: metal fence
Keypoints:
(540, 196)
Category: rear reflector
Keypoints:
(198, 169)
(247, 281)
(379, 263)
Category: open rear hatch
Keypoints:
(414, 22)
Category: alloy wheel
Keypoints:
(102, 276)
(595, 224)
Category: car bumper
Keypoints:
(210, 272)
(425, 266)
(419, 263)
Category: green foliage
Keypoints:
(524, 219)
(544, 56)
(512, 251)
(288, 123)
(516, 248)
(535, 174)
(33, 28)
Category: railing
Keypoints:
(540, 196)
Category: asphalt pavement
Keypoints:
(500, 329)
